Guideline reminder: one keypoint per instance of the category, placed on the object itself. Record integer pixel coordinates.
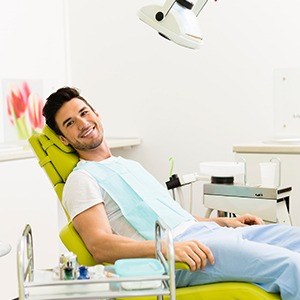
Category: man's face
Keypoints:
(80, 125)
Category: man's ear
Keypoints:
(64, 140)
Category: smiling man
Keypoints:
(114, 202)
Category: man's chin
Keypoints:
(88, 147)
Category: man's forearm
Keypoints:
(110, 247)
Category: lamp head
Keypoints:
(175, 21)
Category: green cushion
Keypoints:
(225, 291)
(51, 135)
(219, 291)
(57, 159)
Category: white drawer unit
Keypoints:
(270, 204)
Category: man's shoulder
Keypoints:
(78, 174)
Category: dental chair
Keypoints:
(58, 161)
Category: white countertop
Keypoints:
(266, 147)
(17, 151)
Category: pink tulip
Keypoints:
(35, 107)
(9, 113)
(25, 90)
(16, 103)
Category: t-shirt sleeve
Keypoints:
(81, 192)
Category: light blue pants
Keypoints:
(267, 255)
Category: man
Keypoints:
(113, 203)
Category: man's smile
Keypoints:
(87, 132)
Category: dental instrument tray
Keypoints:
(127, 278)
(139, 267)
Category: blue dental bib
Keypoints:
(140, 197)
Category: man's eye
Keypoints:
(69, 123)
(84, 113)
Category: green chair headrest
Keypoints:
(56, 140)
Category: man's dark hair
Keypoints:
(55, 101)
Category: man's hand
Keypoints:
(195, 254)
(244, 220)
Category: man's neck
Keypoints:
(98, 154)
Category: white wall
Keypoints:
(32, 35)
(193, 105)
(26, 197)
(32, 38)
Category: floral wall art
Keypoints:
(23, 108)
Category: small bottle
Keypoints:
(72, 258)
(83, 273)
(68, 270)
(62, 265)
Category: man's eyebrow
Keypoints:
(67, 120)
(81, 110)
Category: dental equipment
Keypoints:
(227, 197)
(222, 194)
(176, 20)
(270, 204)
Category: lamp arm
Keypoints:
(162, 13)
(198, 6)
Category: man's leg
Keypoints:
(273, 234)
(274, 268)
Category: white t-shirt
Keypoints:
(81, 191)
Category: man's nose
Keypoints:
(82, 123)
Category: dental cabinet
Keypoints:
(289, 156)
(27, 197)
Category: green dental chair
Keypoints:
(58, 161)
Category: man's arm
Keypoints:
(94, 228)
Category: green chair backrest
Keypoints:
(57, 159)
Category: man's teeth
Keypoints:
(88, 132)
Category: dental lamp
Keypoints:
(176, 20)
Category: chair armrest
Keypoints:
(181, 266)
